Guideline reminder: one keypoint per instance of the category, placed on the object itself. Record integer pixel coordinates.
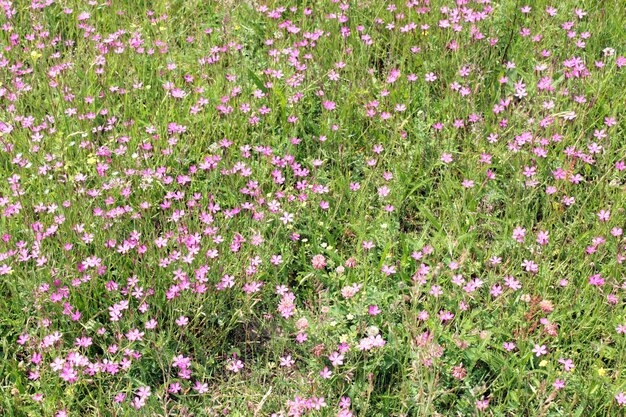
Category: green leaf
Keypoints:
(257, 81)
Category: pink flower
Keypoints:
(482, 404)
(467, 183)
(286, 361)
(446, 158)
(519, 234)
(234, 365)
(326, 373)
(350, 291)
(509, 346)
(596, 280)
(604, 215)
(144, 392)
(201, 388)
(182, 321)
(336, 359)
(319, 262)
(371, 342)
(329, 105)
(540, 350)
(542, 237)
(374, 310)
(367, 244)
(388, 269)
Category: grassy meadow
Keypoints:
(350, 208)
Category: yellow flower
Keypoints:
(601, 371)
(35, 54)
